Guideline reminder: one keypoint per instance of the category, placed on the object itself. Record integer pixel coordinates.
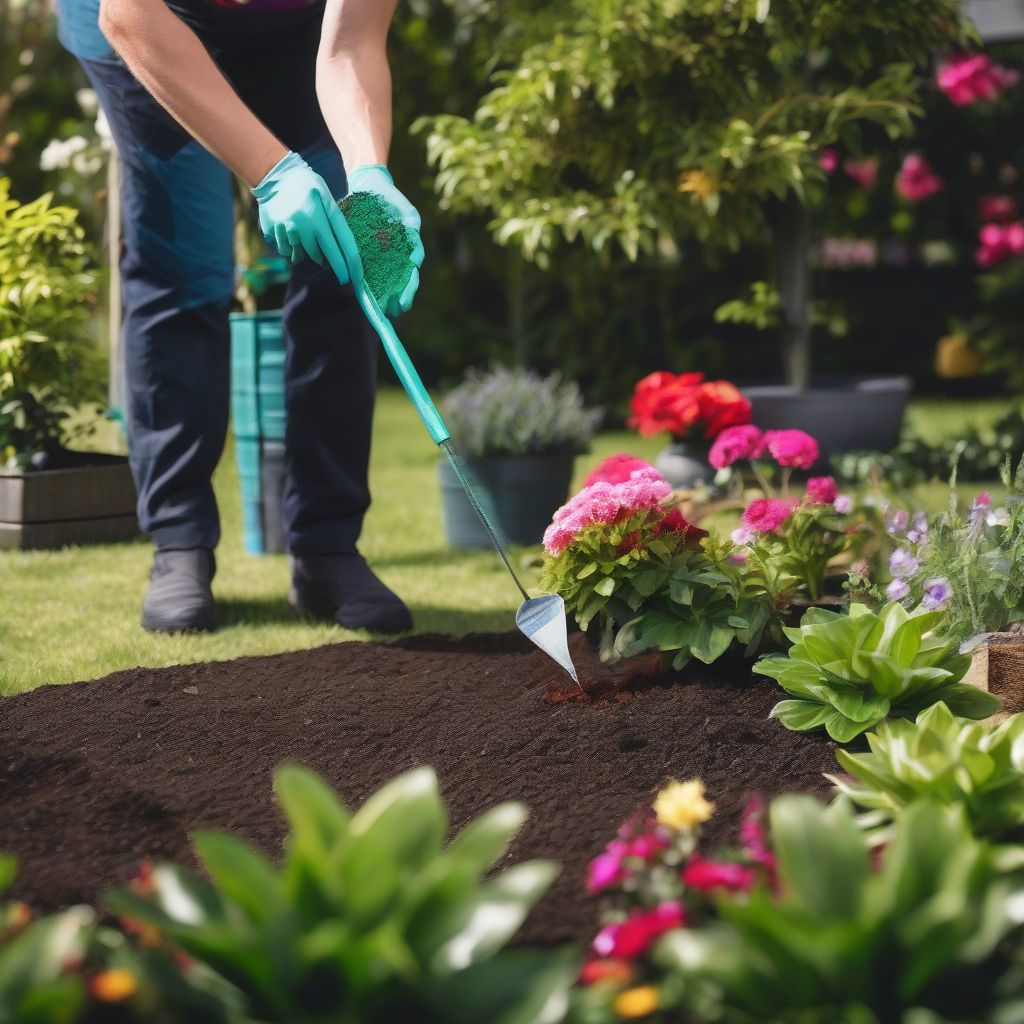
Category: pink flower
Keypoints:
(791, 448)
(821, 490)
(828, 159)
(983, 498)
(996, 208)
(998, 242)
(764, 515)
(635, 935)
(916, 180)
(753, 834)
(616, 469)
(972, 77)
(705, 875)
(843, 504)
(606, 868)
(647, 846)
(733, 444)
(864, 172)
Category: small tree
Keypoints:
(643, 122)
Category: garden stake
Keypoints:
(381, 239)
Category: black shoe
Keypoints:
(179, 598)
(343, 589)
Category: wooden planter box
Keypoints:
(51, 508)
(998, 666)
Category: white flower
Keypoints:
(87, 100)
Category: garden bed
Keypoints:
(96, 776)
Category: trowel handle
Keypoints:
(400, 360)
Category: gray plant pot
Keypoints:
(685, 466)
(520, 494)
(843, 414)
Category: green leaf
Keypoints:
(801, 715)
(605, 587)
(8, 869)
(310, 805)
(485, 840)
(241, 874)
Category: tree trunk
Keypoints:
(791, 224)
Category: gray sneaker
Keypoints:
(179, 599)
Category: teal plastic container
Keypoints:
(258, 421)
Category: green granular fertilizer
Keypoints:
(385, 244)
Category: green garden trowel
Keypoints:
(380, 240)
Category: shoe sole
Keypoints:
(205, 624)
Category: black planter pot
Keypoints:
(520, 493)
(842, 414)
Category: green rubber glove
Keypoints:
(299, 218)
(377, 178)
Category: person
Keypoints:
(288, 95)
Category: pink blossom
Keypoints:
(972, 77)
(616, 469)
(996, 209)
(983, 498)
(733, 444)
(864, 172)
(916, 180)
(828, 159)
(753, 834)
(606, 868)
(743, 535)
(998, 242)
(635, 935)
(843, 504)
(791, 448)
(704, 875)
(647, 846)
(764, 515)
(821, 490)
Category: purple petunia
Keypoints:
(896, 522)
(903, 562)
(937, 594)
(918, 532)
(897, 590)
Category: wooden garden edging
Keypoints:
(998, 666)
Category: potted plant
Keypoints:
(657, 122)
(694, 411)
(51, 495)
(519, 434)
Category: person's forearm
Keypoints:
(166, 56)
(353, 79)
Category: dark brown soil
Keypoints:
(95, 776)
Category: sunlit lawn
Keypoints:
(73, 614)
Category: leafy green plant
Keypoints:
(942, 758)
(847, 673)
(511, 411)
(48, 362)
(369, 918)
(932, 933)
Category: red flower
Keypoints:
(606, 969)
(996, 209)
(673, 522)
(764, 515)
(705, 875)
(733, 444)
(677, 403)
(722, 405)
(639, 931)
(821, 490)
(791, 448)
(616, 469)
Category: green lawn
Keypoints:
(73, 614)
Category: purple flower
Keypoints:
(743, 535)
(903, 562)
(918, 532)
(937, 594)
(843, 504)
(897, 522)
(897, 590)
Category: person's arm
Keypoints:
(166, 56)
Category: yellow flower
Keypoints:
(114, 986)
(699, 182)
(681, 805)
(636, 1002)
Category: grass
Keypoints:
(74, 614)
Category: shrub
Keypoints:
(48, 363)
(518, 412)
(618, 556)
(925, 930)
(942, 758)
(369, 917)
(850, 672)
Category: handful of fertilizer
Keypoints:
(385, 245)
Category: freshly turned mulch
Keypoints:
(95, 776)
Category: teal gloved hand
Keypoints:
(376, 178)
(299, 218)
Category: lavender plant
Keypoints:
(509, 411)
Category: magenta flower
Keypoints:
(996, 209)
(897, 590)
(606, 868)
(864, 172)
(999, 242)
(791, 448)
(705, 875)
(617, 469)
(828, 159)
(753, 834)
(733, 444)
(903, 563)
(821, 490)
(937, 594)
(765, 515)
(916, 181)
(635, 935)
(972, 77)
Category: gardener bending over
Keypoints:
(270, 90)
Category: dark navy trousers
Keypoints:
(177, 278)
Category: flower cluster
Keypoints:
(655, 880)
(792, 449)
(974, 77)
(911, 534)
(685, 403)
(996, 209)
(999, 242)
(916, 181)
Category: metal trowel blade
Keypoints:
(542, 620)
